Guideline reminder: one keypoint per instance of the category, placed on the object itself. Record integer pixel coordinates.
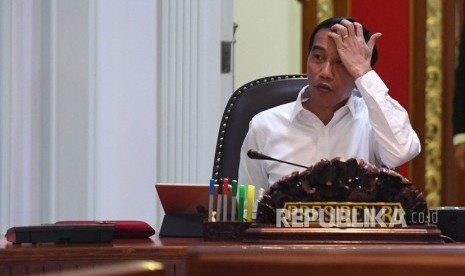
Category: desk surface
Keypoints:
(172, 246)
(168, 249)
(175, 252)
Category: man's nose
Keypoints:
(326, 70)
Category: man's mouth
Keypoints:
(323, 87)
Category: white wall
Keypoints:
(20, 100)
(125, 109)
(102, 99)
(82, 85)
(268, 39)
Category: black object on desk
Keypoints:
(182, 225)
(451, 221)
(58, 233)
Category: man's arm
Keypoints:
(460, 155)
(394, 138)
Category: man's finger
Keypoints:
(371, 43)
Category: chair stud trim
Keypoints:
(231, 105)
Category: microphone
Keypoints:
(252, 154)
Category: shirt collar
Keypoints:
(298, 107)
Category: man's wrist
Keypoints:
(359, 79)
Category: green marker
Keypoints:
(240, 209)
(233, 201)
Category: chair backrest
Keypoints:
(244, 103)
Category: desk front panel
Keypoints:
(29, 259)
(327, 260)
(193, 256)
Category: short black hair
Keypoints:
(328, 23)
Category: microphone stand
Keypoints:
(260, 156)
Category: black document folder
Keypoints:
(58, 233)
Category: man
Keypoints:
(345, 111)
(459, 106)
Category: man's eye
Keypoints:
(317, 57)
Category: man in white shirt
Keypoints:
(345, 111)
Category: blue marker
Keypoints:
(211, 193)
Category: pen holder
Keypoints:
(224, 230)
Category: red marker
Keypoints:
(225, 199)
(218, 201)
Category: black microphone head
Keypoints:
(256, 155)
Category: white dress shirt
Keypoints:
(373, 127)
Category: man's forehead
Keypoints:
(323, 42)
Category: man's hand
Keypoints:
(355, 54)
(460, 155)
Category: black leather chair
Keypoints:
(243, 104)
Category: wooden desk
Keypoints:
(192, 256)
(44, 258)
(328, 260)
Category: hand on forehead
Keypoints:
(346, 28)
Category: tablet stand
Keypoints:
(182, 225)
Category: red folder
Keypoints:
(124, 229)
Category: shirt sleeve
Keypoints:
(458, 138)
(252, 171)
(395, 142)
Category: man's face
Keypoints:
(329, 82)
